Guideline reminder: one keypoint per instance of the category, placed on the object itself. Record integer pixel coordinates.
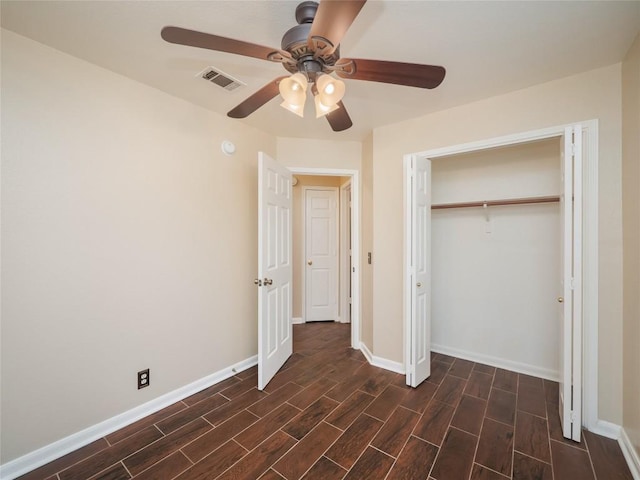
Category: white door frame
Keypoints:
(305, 256)
(589, 243)
(355, 239)
(345, 275)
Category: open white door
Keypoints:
(571, 299)
(419, 278)
(275, 333)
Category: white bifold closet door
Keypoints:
(571, 285)
(275, 275)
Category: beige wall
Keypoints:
(367, 243)
(591, 95)
(298, 232)
(128, 241)
(631, 240)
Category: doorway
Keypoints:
(583, 338)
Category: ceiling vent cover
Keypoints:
(218, 77)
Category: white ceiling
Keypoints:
(488, 48)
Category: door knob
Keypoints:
(309, 262)
(419, 284)
(268, 281)
(257, 281)
(560, 299)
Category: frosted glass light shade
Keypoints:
(322, 109)
(330, 89)
(294, 89)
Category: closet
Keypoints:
(496, 265)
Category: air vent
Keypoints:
(220, 78)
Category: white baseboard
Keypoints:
(606, 429)
(296, 320)
(381, 362)
(630, 454)
(48, 453)
(498, 362)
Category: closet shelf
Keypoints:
(492, 203)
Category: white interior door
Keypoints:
(419, 284)
(275, 334)
(321, 254)
(571, 299)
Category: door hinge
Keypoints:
(572, 283)
(572, 416)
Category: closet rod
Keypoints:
(491, 203)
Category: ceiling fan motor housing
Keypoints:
(296, 42)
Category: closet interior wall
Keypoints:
(496, 271)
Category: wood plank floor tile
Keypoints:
(180, 419)
(461, 368)
(229, 409)
(555, 428)
(531, 400)
(479, 385)
(155, 452)
(145, 422)
(434, 423)
(259, 460)
(240, 388)
(349, 410)
(386, 403)
(469, 414)
(502, 406)
(310, 394)
(346, 450)
(505, 380)
(455, 459)
(325, 469)
(607, 458)
(438, 372)
(495, 448)
(482, 368)
(66, 461)
(527, 468)
(448, 359)
(212, 390)
(304, 422)
(372, 464)
(275, 399)
(532, 436)
(216, 463)
(418, 398)
(570, 462)
(109, 456)
(482, 473)
(378, 383)
(450, 390)
(247, 373)
(168, 467)
(308, 450)
(117, 472)
(395, 432)
(266, 426)
(415, 461)
(271, 475)
(207, 443)
(551, 392)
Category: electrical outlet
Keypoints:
(143, 378)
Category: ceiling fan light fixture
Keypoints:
(330, 89)
(322, 109)
(294, 89)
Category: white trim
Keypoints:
(606, 429)
(630, 454)
(407, 278)
(589, 243)
(380, 362)
(55, 450)
(337, 245)
(345, 275)
(519, 367)
(355, 239)
(296, 320)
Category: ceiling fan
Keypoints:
(310, 51)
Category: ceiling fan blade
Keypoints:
(339, 119)
(398, 73)
(332, 20)
(192, 38)
(258, 99)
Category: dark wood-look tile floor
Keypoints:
(328, 414)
